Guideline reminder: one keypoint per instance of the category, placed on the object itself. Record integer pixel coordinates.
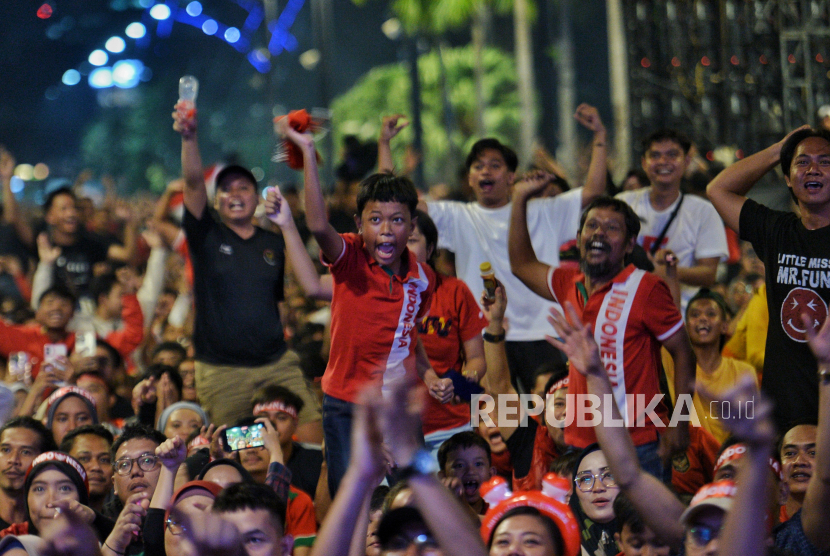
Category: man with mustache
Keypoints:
(630, 311)
(21, 440)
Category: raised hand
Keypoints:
(46, 252)
(129, 523)
(755, 428)
(283, 129)
(367, 450)
(184, 119)
(277, 208)
(172, 453)
(391, 126)
(819, 340)
(532, 183)
(588, 116)
(271, 440)
(577, 341)
(7, 164)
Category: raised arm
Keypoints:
(366, 469)
(729, 188)
(814, 515)
(195, 193)
(11, 210)
(595, 181)
(676, 439)
(443, 513)
(327, 237)
(279, 212)
(745, 532)
(388, 129)
(658, 506)
(523, 262)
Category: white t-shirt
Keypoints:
(477, 234)
(696, 233)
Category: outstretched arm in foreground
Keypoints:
(814, 514)
(657, 505)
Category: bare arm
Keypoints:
(443, 513)
(657, 505)
(11, 210)
(729, 188)
(278, 211)
(439, 388)
(676, 439)
(195, 193)
(744, 529)
(523, 261)
(475, 362)
(388, 129)
(327, 237)
(595, 181)
(498, 373)
(701, 274)
(814, 515)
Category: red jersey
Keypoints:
(544, 452)
(696, 467)
(630, 317)
(300, 520)
(374, 319)
(454, 317)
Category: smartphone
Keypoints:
(462, 387)
(244, 437)
(51, 353)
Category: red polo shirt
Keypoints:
(374, 319)
(630, 317)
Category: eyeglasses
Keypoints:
(146, 462)
(585, 480)
(175, 527)
(703, 534)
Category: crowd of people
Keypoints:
(536, 369)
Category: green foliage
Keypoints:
(386, 90)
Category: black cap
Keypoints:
(234, 170)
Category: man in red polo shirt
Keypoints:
(631, 313)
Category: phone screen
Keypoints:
(241, 438)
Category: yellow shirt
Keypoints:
(725, 377)
(750, 338)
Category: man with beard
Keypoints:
(631, 313)
(21, 440)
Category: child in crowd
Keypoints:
(464, 460)
(372, 269)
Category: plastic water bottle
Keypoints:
(85, 338)
(188, 89)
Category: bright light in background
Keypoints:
(116, 45)
(145, 3)
(193, 9)
(17, 184)
(160, 12)
(210, 27)
(98, 57)
(126, 73)
(24, 171)
(135, 30)
(232, 34)
(41, 171)
(310, 58)
(391, 28)
(100, 78)
(71, 77)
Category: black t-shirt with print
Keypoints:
(797, 264)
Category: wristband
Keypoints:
(111, 548)
(493, 338)
(422, 463)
